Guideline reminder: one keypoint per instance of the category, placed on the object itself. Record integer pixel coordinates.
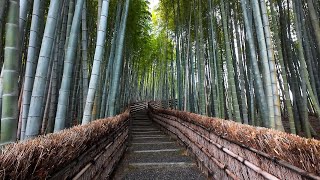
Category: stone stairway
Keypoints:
(154, 155)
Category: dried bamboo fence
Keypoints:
(82, 152)
(229, 150)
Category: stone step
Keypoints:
(143, 129)
(150, 140)
(143, 124)
(142, 121)
(156, 150)
(147, 132)
(156, 157)
(163, 164)
(137, 116)
(164, 172)
(153, 146)
(153, 143)
(148, 135)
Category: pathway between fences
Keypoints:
(152, 154)
(153, 142)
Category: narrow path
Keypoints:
(154, 155)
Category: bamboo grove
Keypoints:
(251, 61)
(69, 62)
(66, 62)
